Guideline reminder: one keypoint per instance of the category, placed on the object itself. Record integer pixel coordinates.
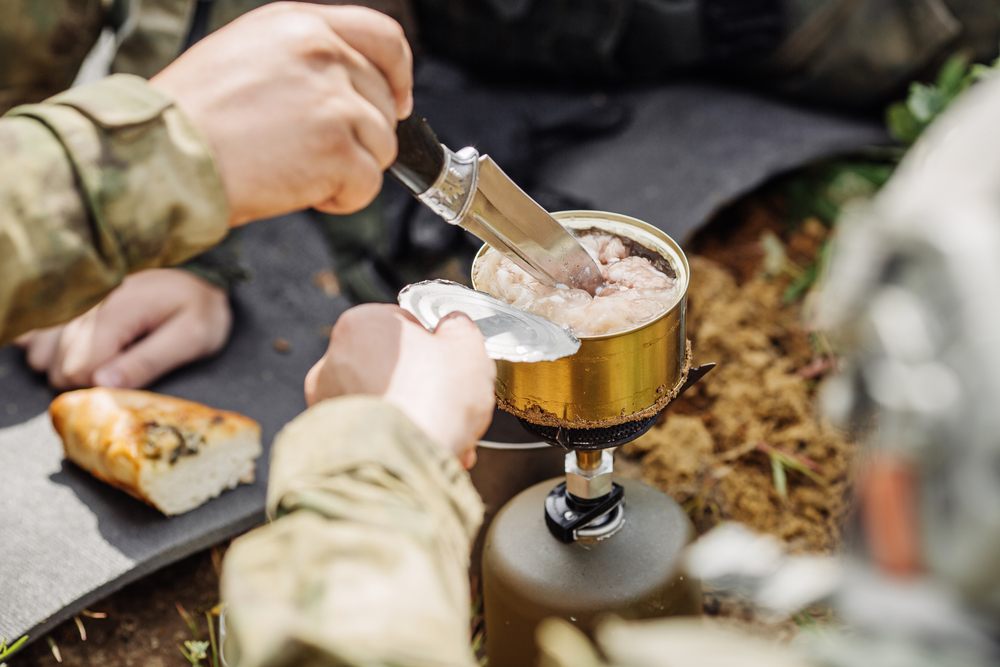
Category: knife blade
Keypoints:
(472, 191)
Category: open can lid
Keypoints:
(511, 334)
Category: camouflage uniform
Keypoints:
(42, 46)
(367, 561)
(97, 182)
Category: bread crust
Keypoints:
(117, 435)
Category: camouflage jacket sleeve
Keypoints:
(97, 182)
(688, 643)
(220, 265)
(367, 560)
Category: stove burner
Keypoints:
(569, 518)
(591, 438)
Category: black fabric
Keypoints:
(199, 23)
(526, 38)
(668, 154)
(741, 29)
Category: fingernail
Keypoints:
(108, 377)
(408, 106)
(456, 317)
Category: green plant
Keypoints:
(197, 650)
(908, 119)
(822, 190)
(782, 461)
(194, 651)
(8, 650)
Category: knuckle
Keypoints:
(303, 31)
(387, 28)
(73, 377)
(367, 183)
(138, 370)
(200, 331)
(394, 33)
(345, 326)
(57, 381)
(36, 359)
(338, 136)
(283, 6)
(77, 380)
(373, 183)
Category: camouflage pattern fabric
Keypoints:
(42, 45)
(152, 36)
(858, 54)
(97, 182)
(663, 643)
(367, 561)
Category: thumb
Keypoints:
(24, 340)
(163, 350)
(456, 323)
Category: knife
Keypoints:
(469, 190)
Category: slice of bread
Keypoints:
(168, 452)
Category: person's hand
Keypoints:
(443, 381)
(154, 322)
(299, 104)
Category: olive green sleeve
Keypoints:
(366, 562)
(95, 183)
(220, 265)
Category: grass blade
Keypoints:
(8, 651)
(778, 474)
(211, 639)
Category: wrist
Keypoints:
(438, 428)
(198, 117)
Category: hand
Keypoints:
(299, 104)
(154, 322)
(443, 381)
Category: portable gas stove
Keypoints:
(583, 546)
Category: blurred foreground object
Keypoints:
(911, 297)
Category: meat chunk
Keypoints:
(634, 292)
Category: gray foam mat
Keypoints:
(690, 149)
(67, 540)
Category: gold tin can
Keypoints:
(613, 378)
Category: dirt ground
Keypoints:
(746, 444)
(143, 625)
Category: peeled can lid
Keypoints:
(511, 334)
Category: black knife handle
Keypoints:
(421, 156)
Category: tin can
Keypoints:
(613, 378)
